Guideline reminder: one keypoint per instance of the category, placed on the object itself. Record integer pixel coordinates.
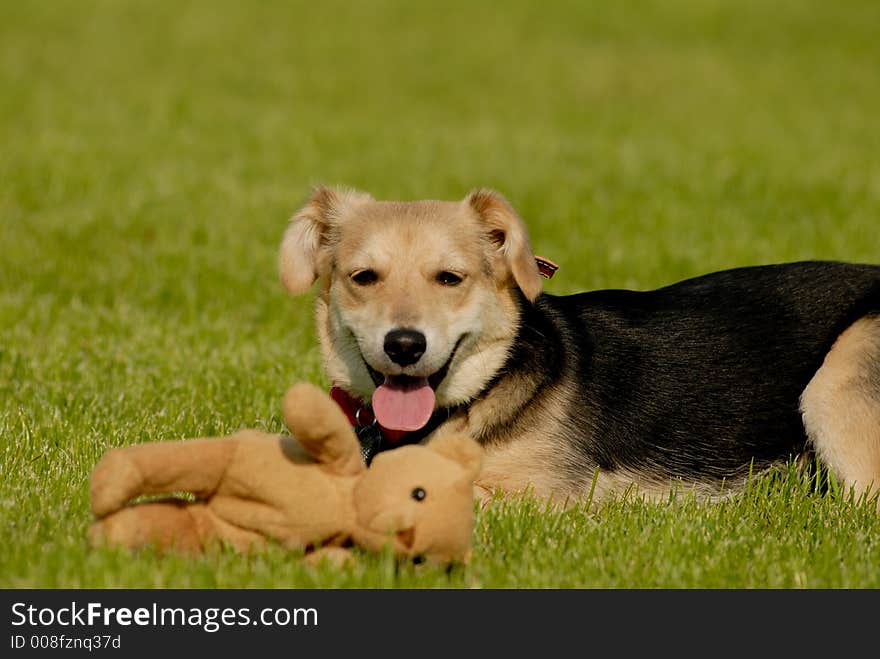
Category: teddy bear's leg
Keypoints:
(171, 525)
(215, 528)
(164, 525)
(333, 556)
(191, 465)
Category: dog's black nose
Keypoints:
(405, 346)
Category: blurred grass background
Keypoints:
(152, 153)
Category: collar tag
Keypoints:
(370, 438)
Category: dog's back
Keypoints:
(698, 379)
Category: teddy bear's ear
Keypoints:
(318, 423)
(463, 450)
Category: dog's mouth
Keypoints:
(406, 402)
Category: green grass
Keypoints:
(151, 154)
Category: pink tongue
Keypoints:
(403, 406)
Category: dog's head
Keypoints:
(418, 302)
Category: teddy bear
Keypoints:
(308, 490)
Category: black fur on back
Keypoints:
(695, 380)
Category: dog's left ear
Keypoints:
(507, 232)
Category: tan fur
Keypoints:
(841, 407)
(508, 233)
(528, 458)
(307, 230)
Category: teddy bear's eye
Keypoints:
(418, 494)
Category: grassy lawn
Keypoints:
(152, 153)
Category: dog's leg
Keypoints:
(841, 407)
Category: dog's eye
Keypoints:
(448, 278)
(364, 277)
(418, 494)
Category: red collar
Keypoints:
(360, 414)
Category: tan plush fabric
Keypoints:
(309, 489)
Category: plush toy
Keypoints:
(302, 491)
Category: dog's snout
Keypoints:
(405, 346)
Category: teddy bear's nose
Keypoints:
(405, 346)
(407, 537)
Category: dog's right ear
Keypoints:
(308, 231)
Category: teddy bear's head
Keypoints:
(420, 499)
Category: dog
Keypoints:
(431, 320)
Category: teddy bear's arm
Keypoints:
(191, 465)
(323, 430)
